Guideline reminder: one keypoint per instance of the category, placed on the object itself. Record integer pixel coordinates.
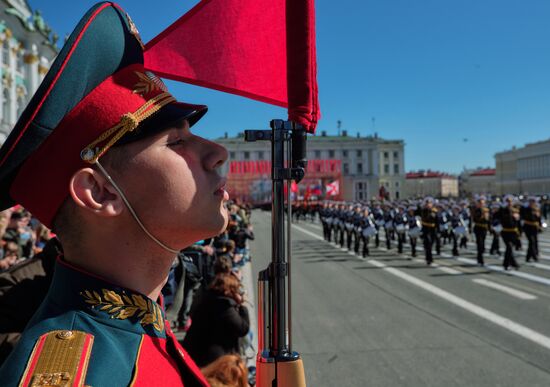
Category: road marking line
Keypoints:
(473, 262)
(512, 292)
(483, 313)
(443, 268)
(527, 276)
(501, 321)
(538, 265)
(448, 270)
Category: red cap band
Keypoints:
(42, 183)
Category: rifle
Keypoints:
(276, 363)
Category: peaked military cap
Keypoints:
(97, 94)
(428, 199)
(510, 198)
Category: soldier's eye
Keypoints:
(177, 142)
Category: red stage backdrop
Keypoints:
(250, 180)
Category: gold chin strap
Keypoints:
(134, 215)
(128, 123)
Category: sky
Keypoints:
(457, 80)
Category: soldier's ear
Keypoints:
(92, 192)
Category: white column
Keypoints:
(31, 64)
(376, 161)
(13, 93)
(1, 81)
(43, 66)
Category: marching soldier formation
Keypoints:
(436, 222)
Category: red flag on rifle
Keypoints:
(260, 49)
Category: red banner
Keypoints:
(315, 168)
(250, 180)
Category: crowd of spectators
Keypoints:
(206, 300)
(204, 297)
(22, 237)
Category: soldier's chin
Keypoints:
(218, 223)
(224, 212)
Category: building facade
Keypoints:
(524, 170)
(28, 47)
(367, 163)
(477, 181)
(431, 183)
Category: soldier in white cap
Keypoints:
(429, 224)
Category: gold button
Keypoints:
(65, 335)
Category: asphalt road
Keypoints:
(392, 321)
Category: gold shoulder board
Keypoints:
(59, 358)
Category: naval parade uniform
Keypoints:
(400, 222)
(467, 218)
(366, 223)
(455, 221)
(323, 216)
(339, 232)
(413, 232)
(429, 233)
(379, 222)
(356, 221)
(331, 219)
(97, 94)
(348, 224)
(388, 227)
(495, 230)
(532, 225)
(441, 230)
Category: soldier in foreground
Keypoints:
(98, 127)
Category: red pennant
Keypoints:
(260, 49)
